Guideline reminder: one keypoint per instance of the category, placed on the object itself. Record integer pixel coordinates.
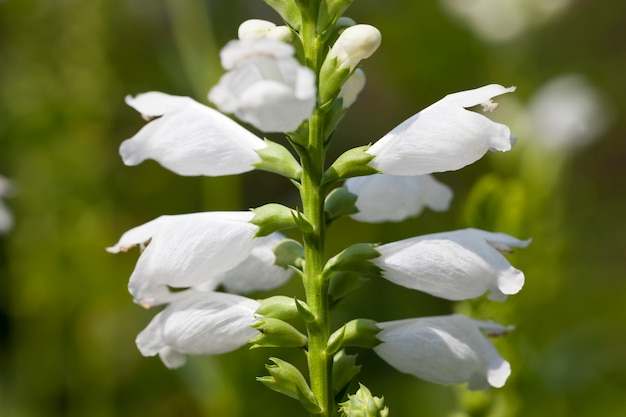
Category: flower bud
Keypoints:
(277, 159)
(340, 202)
(255, 29)
(273, 217)
(354, 258)
(356, 43)
(356, 333)
(364, 404)
(288, 380)
(352, 163)
(276, 333)
(279, 307)
(345, 370)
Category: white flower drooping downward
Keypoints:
(189, 138)
(445, 350)
(199, 324)
(185, 250)
(393, 198)
(265, 85)
(457, 265)
(444, 136)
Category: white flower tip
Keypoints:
(355, 43)
(254, 29)
(498, 375)
(510, 282)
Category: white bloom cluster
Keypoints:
(186, 258)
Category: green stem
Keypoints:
(312, 193)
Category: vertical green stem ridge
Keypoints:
(319, 362)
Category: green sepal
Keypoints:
(277, 159)
(332, 79)
(343, 283)
(302, 222)
(335, 112)
(357, 333)
(278, 307)
(288, 10)
(354, 258)
(273, 217)
(352, 163)
(364, 404)
(345, 370)
(288, 380)
(329, 12)
(305, 311)
(340, 202)
(276, 333)
(336, 343)
(289, 253)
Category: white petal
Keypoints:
(444, 349)
(442, 137)
(257, 272)
(199, 324)
(255, 29)
(382, 197)
(189, 138)
(185, 250)
(265, 86)
(355, 44)
(456, 265)
(352, 87)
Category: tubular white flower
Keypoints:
(265, 85)
(199, 324)
(456, 265)
(189, 138)
(257, 272)
(393, 198)
(184, 251)
(352, 88)
(355, 44)
(445, 350)
(444, 136)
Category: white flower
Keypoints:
(444, 136)
(384, 198)
(355, 44)
(265, 85)
(352, 87)
(445, 350)
(257, 272)
(189, 138)
(199, 324)
(568, 113)
(184, 251)
(456, 265)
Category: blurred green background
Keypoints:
(67, 323)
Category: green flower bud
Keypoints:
(343, 283)
(340, 202)
(357, 333)
(289, 254)
(279, 307)
(277, 333)
(364, 404)
(345, 370)
(273, 217)
(287, 379)
(277, 159)
(352, 163)
(354, 258)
